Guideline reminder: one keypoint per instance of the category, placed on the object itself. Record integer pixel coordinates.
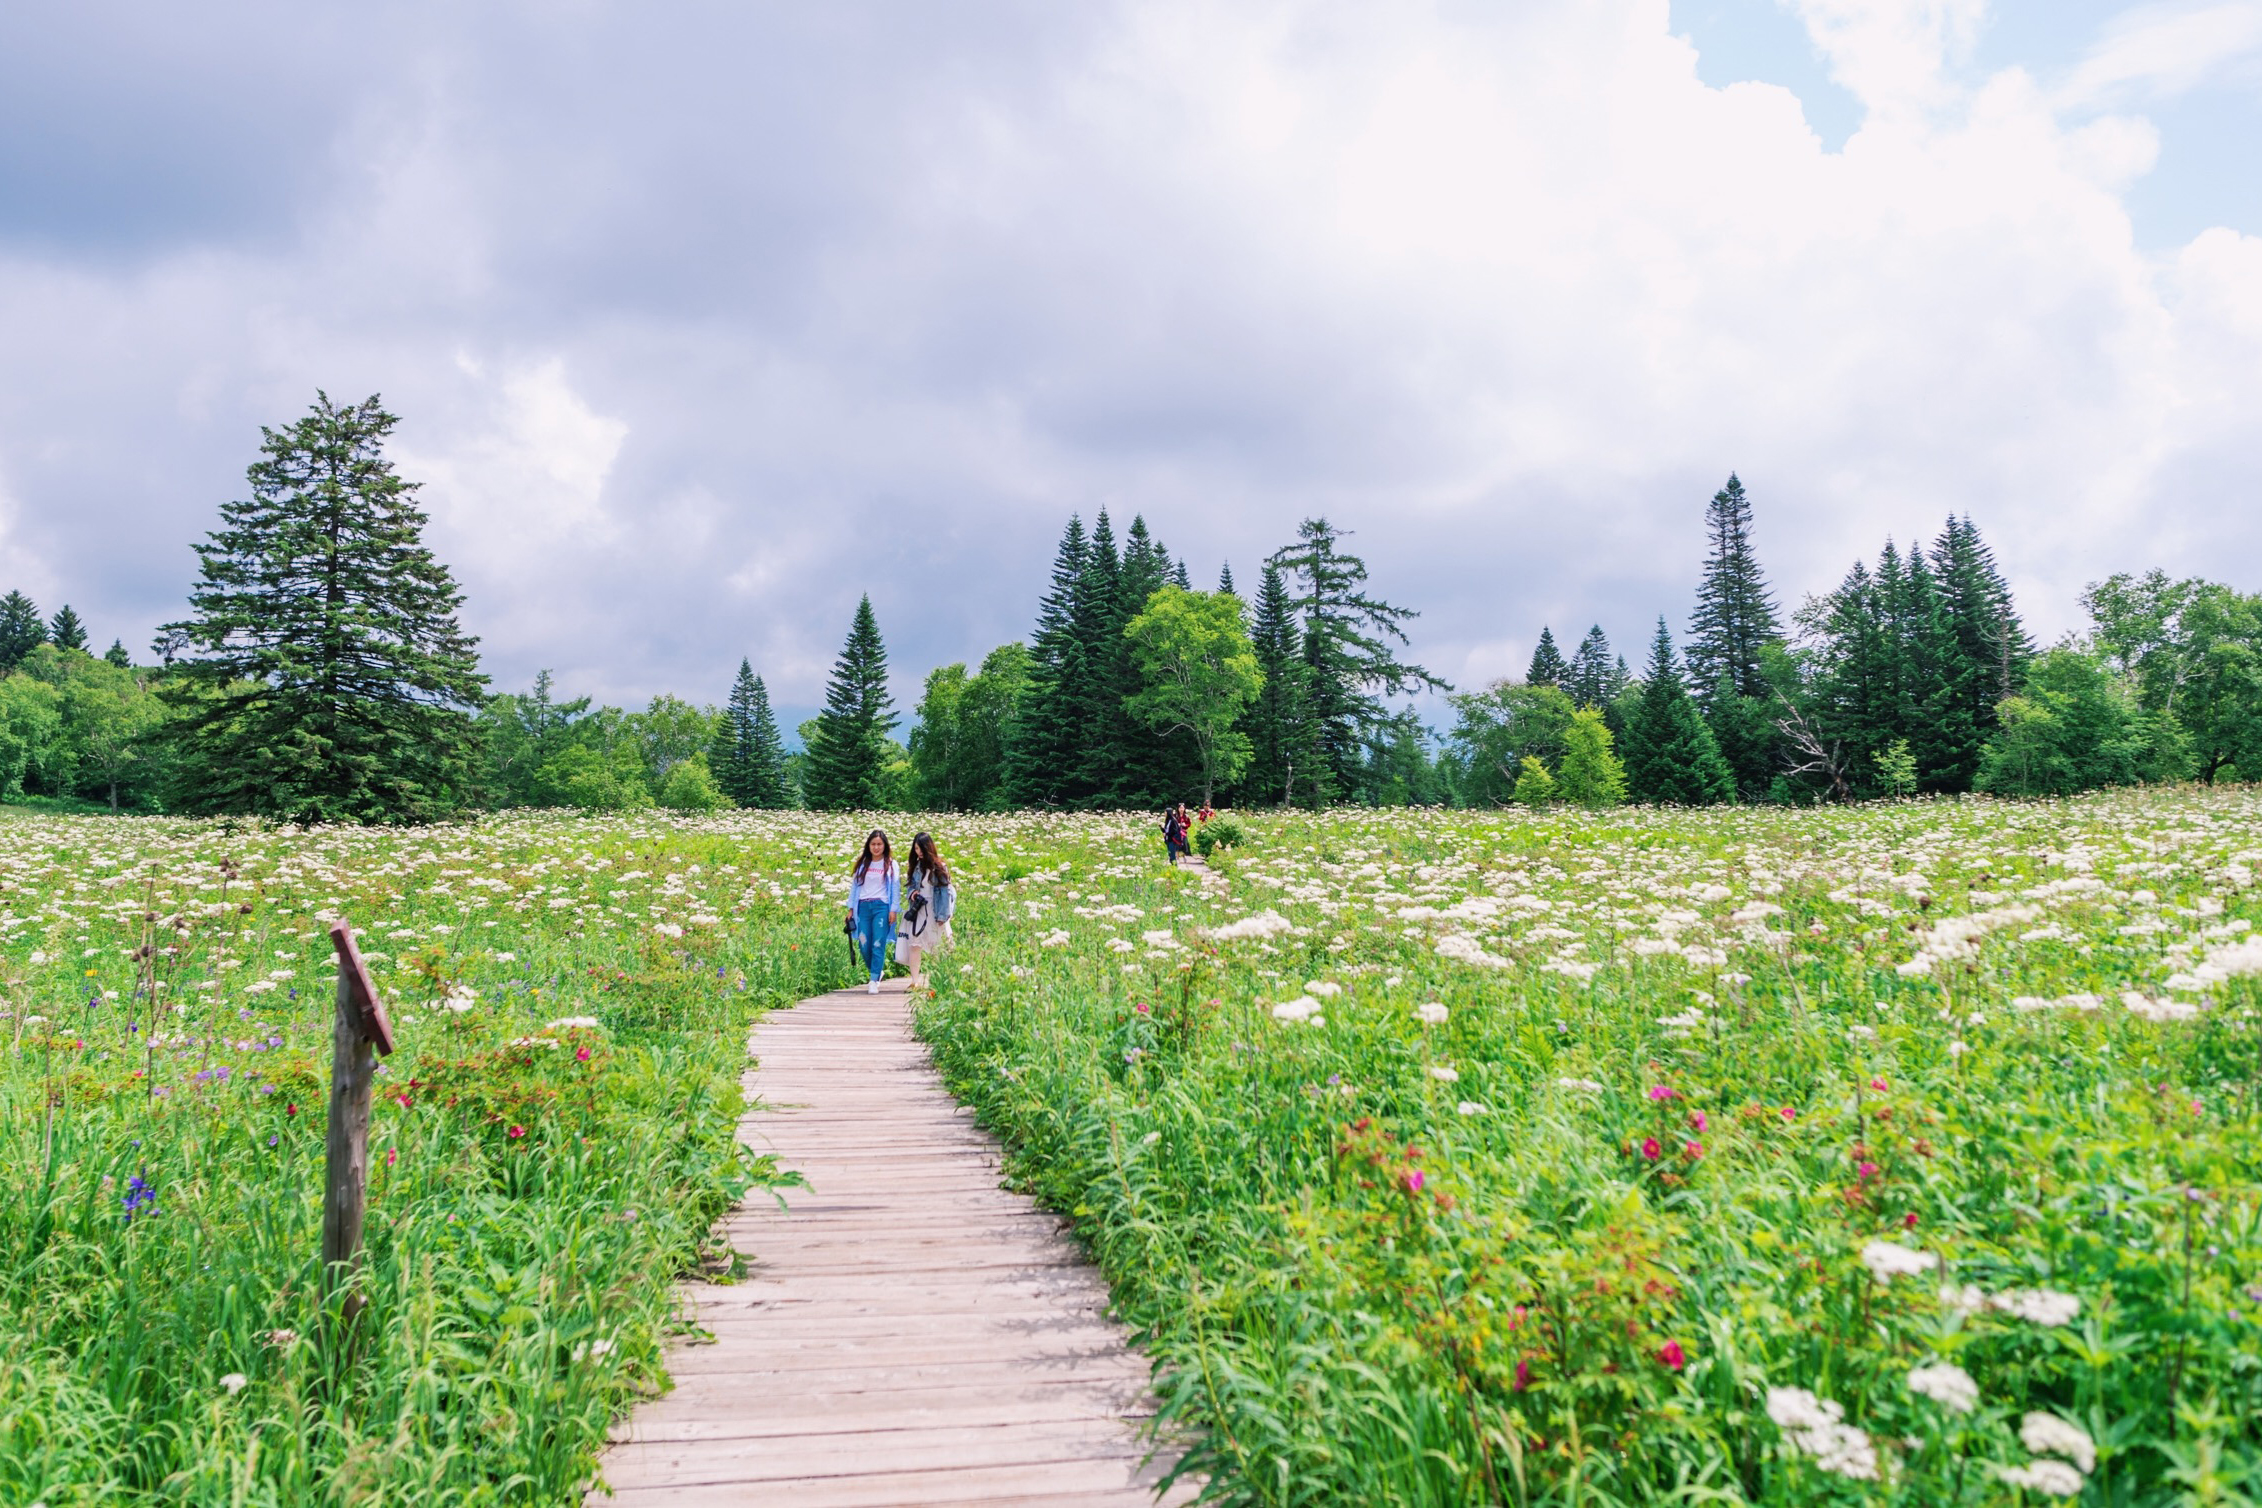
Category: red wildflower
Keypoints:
(580, 1055)
(1650, 1148)
(515, 1132)
(1672, 1355)
(1693, 1150)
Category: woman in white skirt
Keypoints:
(928, 901)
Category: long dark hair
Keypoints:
(925, 859)
(864, 854)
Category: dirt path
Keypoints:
(908, 1333)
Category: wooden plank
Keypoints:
(910, 1332)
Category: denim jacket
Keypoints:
(895, 890)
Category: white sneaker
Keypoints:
(872, 988)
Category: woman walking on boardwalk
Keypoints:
(1174, 831)
(874, 895)
(928, 902)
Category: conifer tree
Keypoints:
(1347, 655)
(1042, 736)
(116, 654)
(1670, 754)
(1548, 667)
(1283, 753)
(1734, 615)
(727, 751)
(1592, 679)
(849, 751)
(1097, 751)
(1984, 649)
(324, 677)
(21, 630)
(767, 786)
(1225, 578)
(65, 631)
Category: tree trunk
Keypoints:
(353, 1070)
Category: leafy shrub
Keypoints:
(1218, 832)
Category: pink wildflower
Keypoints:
(1672, 1355)
(1650, 1148)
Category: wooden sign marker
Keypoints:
(362, 1032)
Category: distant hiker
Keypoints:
(1206, 812)
(1174, 831)
(873, 892)
(927, 906)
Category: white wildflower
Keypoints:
(2053, 1477)
(1588, 1086)
(1946, 1384)
(1887, 1260)
(668, 929)
(2037, 1306)
(1468, 950)
(234, 1382)
(2049, 1435)
(1817, 1426)
(1472, 1107)
(1119, 945)
(1150, 1138)
(1056, 938)
(1262, 924)
(1322, 988)
(1298, 1009)
(2140, 1004)
(575, 1023)
(1431, 1013)
(1444, 1075)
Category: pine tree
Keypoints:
(1347, 654)
(767, 787)
(1225, 578)
(1284, 757)
(849, 752)
(1936, 694)
(1591, 679)
(1984, 648)
(1670, 755)
(1548, 667)
(21, 630)
(727, 751)
(1042, 743)
(1734, 614)
(65, 631)
(116, 654)
(326, 677)
(1097, 753)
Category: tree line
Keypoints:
(321, 674)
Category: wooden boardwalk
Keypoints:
(909, 1333)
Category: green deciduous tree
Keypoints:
(1670, 754)
(850, 753)
(2075, 726)
(958, 750)
(1197, 673)
(1497, 729)
(326, 677)
(1534, 787)
(689, 786)
(1590, 774)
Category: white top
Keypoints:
(874, 885)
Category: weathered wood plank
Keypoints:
(909, 1332)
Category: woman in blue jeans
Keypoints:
(874, 893)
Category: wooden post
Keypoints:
(361, 1033)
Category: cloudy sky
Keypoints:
(704, 319)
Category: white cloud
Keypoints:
(869, 304)
(2158, 51)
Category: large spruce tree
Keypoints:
(1548, 667)
(1043, 736)
(323, 674)
(1348, 660)
(1595, 677)
(1735, 616)
(65, 630)
(1283, 752)
(21, 630)
(748, 756)
(849, 750)
(1669, 752)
